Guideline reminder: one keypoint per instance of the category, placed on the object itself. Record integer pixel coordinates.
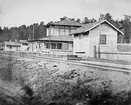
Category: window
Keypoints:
(47, 45)
(56, 31)
(59, 46)
(25, 44)
(53, 46)
(10, 47)
(102, 39)
(67, 31)
(62, 31)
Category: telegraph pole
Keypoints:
(33, 37)
(99, 37)
(50, 37)
(33, 31)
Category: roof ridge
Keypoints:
(66, 22)
(88, 27)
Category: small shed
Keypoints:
(12, 46)
(88, 38)
(16, 46)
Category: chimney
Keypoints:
(64, 18)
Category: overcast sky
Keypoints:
(18, 12)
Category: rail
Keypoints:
(94, 64)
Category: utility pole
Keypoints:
(33, 38)
(99, 37)
(50, 37)
(33, 31)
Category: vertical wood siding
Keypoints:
(87, 42)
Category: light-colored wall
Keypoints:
(33, 46)
(18, 46)
(55, 32)
(50, 31)
(81, 44)
(86, 43)
(23, 47)
(47, 32)
(12, 49)
(42, 45)
(111, 39)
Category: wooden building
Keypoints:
(63, 27)
(12, 46)
(91, 37)
(57, 38)
(16, 46)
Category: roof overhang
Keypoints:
(107, 23)
(14, 45)
(61, 38)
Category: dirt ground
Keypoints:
(52, 80)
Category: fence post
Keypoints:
(129, 56)
(130, 78)
(95, 52)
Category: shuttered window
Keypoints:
(103, 39)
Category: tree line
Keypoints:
(23, 32)
(36, 30)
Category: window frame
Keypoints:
(53, 45)
(47, 45)
(59, 45)
(103, 41)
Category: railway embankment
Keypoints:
(26, 81)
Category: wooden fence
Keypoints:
(126, 56)
(123, 53)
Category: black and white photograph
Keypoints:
(65, 52)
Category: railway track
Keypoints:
(88, 64)
(93, 64)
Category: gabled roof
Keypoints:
(90, 26)
(66, 22)
(66, 38)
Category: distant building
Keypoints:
(63, 27)
(16, 46)
(1, 45)
(24, 45)
(12, 46)
(88, 37)
(57, 37)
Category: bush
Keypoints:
(48, 85)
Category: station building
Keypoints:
(89, 37)
(22, 45)
(57, 38)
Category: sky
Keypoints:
(14, 13)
